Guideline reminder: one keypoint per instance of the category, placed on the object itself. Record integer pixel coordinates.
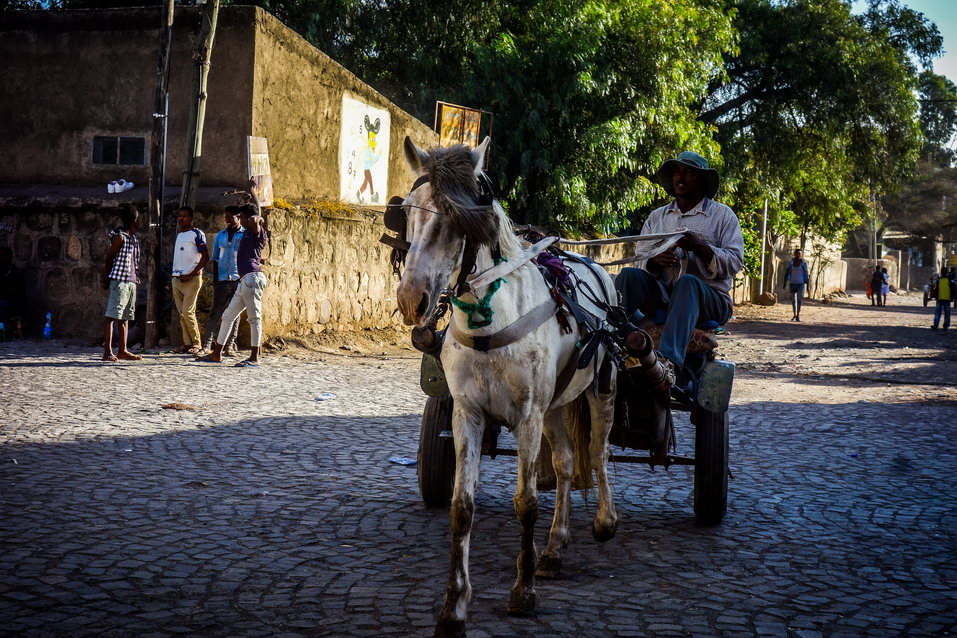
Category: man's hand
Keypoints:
(665, 259)
(186, 277)
(695, 243)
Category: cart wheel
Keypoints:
(711, 466)
(436, 462)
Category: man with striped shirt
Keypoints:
(119, 277)
(689, 284)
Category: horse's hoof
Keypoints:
(522, 602)
(449, 628)
(548, 567)
(603, 533)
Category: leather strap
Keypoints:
(511, 333)
(511, 265)
(395, 242)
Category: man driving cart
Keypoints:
(687, 286)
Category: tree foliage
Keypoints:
(800, 102)
(925, 207)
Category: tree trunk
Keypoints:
(197, 114)
(157, 178)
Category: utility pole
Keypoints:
(764, 245)
(158, 176)
(197, 112)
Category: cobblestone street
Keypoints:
(266, 512)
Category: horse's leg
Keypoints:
(528, 439)
(602, 409)
(550, 563)
(468, 428)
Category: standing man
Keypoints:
(225, 278)
(796, 276)
(249, 293)
(190, 255)
(945, 295)
(119, 277)
(711, 252)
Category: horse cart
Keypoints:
(643, 423)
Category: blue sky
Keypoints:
(944, 14)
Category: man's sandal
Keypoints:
(207, 359)
(247, 364)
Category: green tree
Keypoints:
(938, 117)
(817, 106)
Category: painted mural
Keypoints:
(363, 153)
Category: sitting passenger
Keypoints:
(709, 254)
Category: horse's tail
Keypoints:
(577, 416)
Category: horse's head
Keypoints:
(443, 213)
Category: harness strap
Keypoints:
(513, 264)
(395, 242)
(509, 334)
(565, 376)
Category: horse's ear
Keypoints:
(415, 156)
(478, 155)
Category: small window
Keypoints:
(124, 151)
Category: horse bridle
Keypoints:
(396, 219)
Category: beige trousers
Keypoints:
(185, 294)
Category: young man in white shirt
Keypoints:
(190, 255)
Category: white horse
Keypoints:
(514, 384)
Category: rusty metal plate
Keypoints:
(432, 377)
(714, 393)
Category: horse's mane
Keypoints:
(456, 193)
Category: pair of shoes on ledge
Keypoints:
(120, 186)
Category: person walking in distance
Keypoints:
(945, 296)
(119, 277)
(225, 279)
(249, 292)
(796, 278)
(877, 283)
(885, 286)
(190, 255)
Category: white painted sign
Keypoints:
(363, 153)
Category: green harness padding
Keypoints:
(481, 307)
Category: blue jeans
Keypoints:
(691, 302)
(942, 306)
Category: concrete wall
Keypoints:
(859, 272)
(297, 106)
(80, 74)
(828, 272)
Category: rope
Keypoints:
(481, 307)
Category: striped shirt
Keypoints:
(716, 224)
(124, 265)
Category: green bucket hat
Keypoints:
(692, 160)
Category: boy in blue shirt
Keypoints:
(225, 278)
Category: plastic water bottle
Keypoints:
(48, 327)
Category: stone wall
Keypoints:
(60, 253)
(327, 271)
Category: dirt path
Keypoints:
(842, 351)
